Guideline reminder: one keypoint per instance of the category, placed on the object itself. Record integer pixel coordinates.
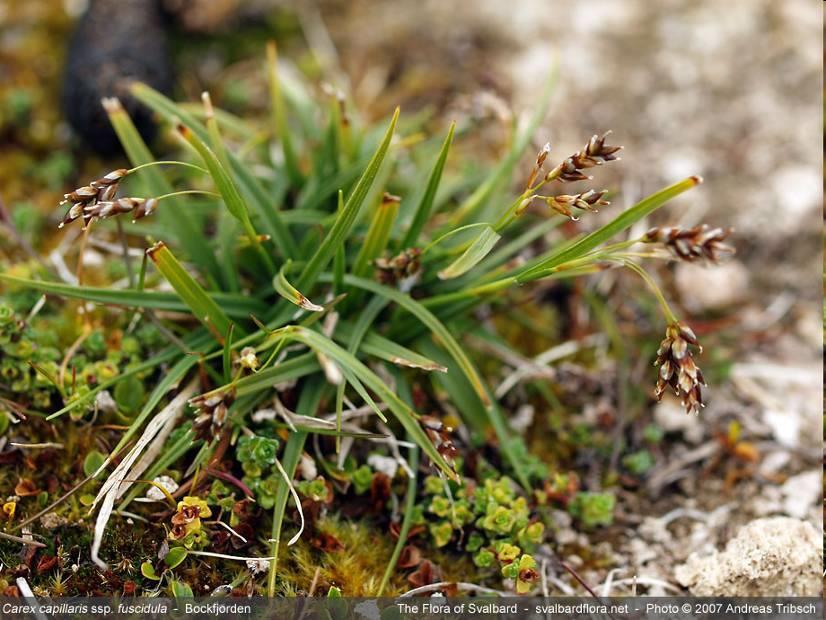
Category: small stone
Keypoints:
(785, 427)
(105, 403)
(777, 556)
(672, 418)
(52, 520)
(773, 462)
(384, 464)
(802, 492)
(703, 289)
(155, 494)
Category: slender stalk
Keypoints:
(407, 521)
(292, 452)
(167, 163)
(669, 315)
(130, 274)
(188, 191)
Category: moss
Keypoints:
(356, 569)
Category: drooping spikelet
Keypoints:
(140, 207)
(103, 189)
(677, 367)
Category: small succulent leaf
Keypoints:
(175, 556)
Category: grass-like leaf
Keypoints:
(173, 215)
(203, 307)
(431, 322)
(478, 249)
(623, 221)
(237, 306)
(279, 117)
(229, 192)
(345, 220)
(377, 236)
(268, 215)
(290, 293)
(425, 205)
(404, 414)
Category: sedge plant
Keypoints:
(340, 262)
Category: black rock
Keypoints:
(114, 43)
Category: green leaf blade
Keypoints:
(479, 248)
(193, 295)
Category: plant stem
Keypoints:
(188, 191)
(407, 521)
(292, 453)
(669, 315)
(168, 162)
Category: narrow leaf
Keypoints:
(268, 215)
(345, 220)
(423, 209)
(401, 410)
(476, 251)
(226, 187)
(183, 228)
(202, 306)
(377, 235)
(624, 220)
(292, 294)
(295, 368)
(238, 306)
(281, 127)
(381, 347)
(431, 322)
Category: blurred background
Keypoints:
(731, 91)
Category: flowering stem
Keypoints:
(167, 162)
(188, 191)
(669, 315)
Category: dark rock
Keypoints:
(114, 43)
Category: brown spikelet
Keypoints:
(585, 201)
(440, 435)
(139, 207)
(400, 267)
(100, 190)
(595, 153)
(700, 243)
(540, 161)
(212, 409)
(677, 367)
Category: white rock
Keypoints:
(704, 288)
(785, 426)
(385, 464)
(671, 417)
(801, 493)
(105, 403)
(155, 494)
(778, 556)
(773, 462)
(307, 467)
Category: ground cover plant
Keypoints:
(277, 345)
